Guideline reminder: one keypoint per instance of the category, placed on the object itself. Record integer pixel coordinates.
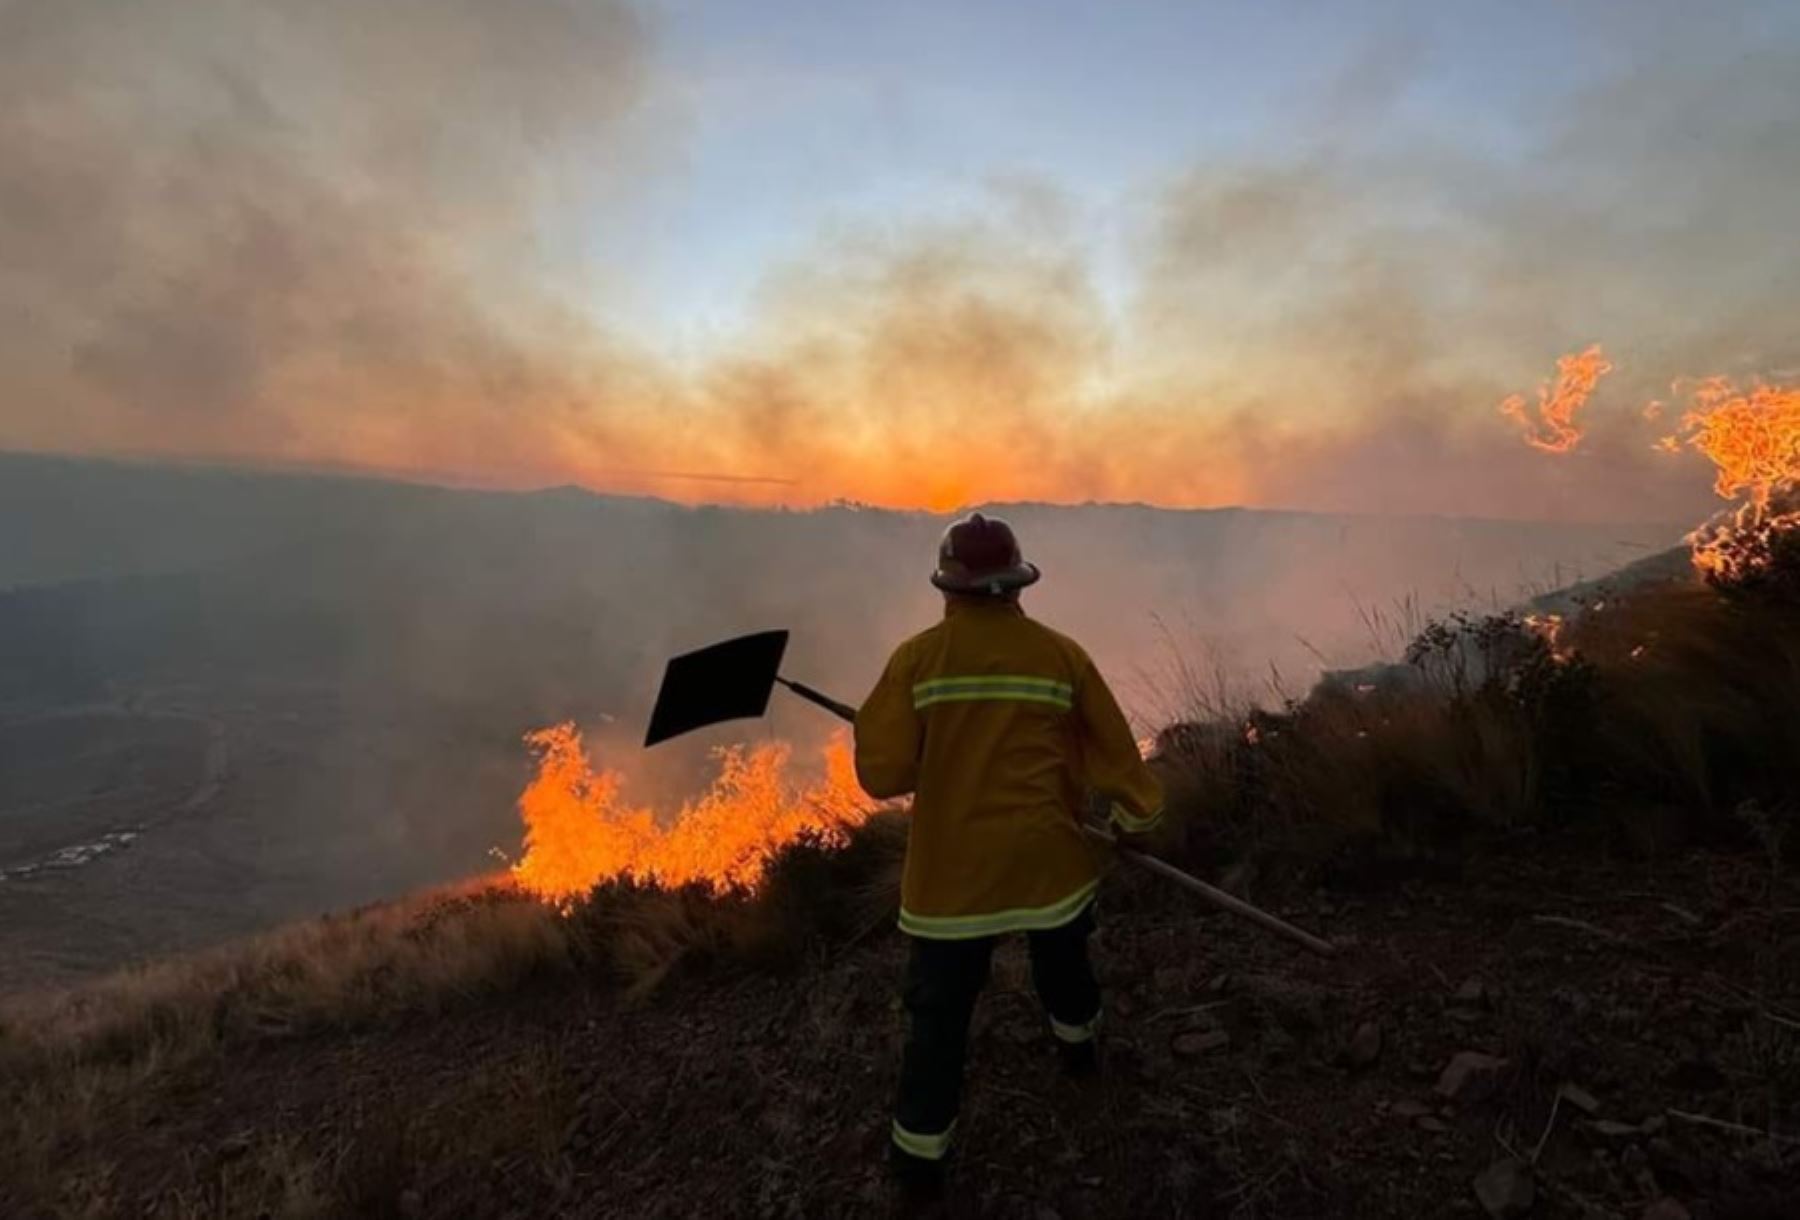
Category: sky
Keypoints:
(801, 118)
(804, 117)
(908, 254)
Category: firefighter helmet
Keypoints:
(980, 555)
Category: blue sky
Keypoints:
(793, 119)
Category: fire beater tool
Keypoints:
(733, 680)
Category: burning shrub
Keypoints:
(1754, 552)
(581, 833)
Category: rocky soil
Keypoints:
(1541, 1035)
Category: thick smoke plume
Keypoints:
(339, 233)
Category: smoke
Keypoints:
(309, 231)
(338, 233)
(1374, 297)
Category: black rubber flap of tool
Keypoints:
(727, 681)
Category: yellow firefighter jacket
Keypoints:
(998, 726)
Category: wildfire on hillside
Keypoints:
(581, 831)
(1555, 430)
(1752, 437)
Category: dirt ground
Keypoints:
(1642, 1023)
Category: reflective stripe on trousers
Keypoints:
(925, 1147)
(943, 980)
(1074, 1035)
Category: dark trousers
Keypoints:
(943, 979)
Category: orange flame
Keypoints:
(1549, 628)
(1555, 431)
(580, 831)
(1753, 439)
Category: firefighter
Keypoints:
(999, 728)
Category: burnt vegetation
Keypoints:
(1553, 851)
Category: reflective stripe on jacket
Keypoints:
(998, 726)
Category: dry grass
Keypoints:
(68, 1058)
(417, 956)
(72, 1059)
(1666, 713)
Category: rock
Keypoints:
(1571, 999)
(1471, 992)
(1666, 1208)
(1580, 1098)
(1505, 1188)
(1365, 1044)
(1296, 1004)
(1470, 1076)
(1199, 1041)
(1613, 1130)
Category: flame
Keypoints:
(580, 831)
(1554, 431)
(1548, 628)
(1752, 438)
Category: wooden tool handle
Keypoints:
(841, 710)
(1214, 895)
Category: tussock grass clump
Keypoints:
(422, 955)
(1669, 712)
(70, 1059)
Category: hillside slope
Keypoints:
(1242, 1078)
(1555, 862)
